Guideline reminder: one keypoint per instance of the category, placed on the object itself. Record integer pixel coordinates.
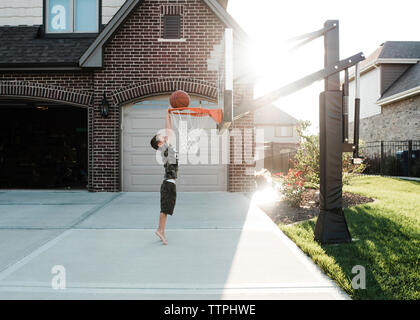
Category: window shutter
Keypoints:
(172, 29)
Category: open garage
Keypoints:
(42, 145)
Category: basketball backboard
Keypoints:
(225, 81)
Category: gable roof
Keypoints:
(93, 55)
(405, 86)
(408, 83)
(393, 52)
(272, 115)
(21, 47)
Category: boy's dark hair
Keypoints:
(154, 142)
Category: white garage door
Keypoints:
(141, 171)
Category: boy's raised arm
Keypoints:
(169, 131)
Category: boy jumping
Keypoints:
(168, 187)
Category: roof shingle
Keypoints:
(400, 50)
(22, 46)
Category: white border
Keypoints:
(172, 40)
(399, 96)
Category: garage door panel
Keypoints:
(145, 123)
(142, 160)
(143, 183)
(199, 169)
(142, 171)
(136, 143)
(147, 179)
(192, 179)
(137, 161)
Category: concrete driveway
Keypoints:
(221, 246)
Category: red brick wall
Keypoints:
(241, 176)
(134, 55)
(72, 80)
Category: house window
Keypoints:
(284, 131)
(72, 16)
(171, 27)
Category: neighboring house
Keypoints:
(390, 93)
(278, 126)
(62, 60)
(280, 137)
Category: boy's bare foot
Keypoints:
(161, 236)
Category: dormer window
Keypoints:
(72, 16)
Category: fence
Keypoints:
(278, 157)
(392, 158)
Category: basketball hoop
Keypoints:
(190, 121)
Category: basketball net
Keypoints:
(190, 123)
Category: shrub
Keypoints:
(292, 186)
(307, 158)
(350, 170)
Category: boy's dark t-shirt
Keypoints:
(170, 161)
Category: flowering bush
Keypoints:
(292, 186)
(307, 157)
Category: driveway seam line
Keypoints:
(41, 246)
(93, 210)
(33, 254)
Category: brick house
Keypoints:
(390, 93)
(61, 61)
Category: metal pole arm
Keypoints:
(251, 106)
(308, 37)
(312, 35)
(356, 112)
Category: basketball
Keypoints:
(179, 99)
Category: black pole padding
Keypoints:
(331, 226)
(356, 111)
(356, 127)
(346, 107)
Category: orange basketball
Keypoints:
(179, 99)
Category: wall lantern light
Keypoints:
(104, 107)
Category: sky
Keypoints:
(364, 25)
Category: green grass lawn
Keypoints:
(387, 245)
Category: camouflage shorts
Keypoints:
(167, 197)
